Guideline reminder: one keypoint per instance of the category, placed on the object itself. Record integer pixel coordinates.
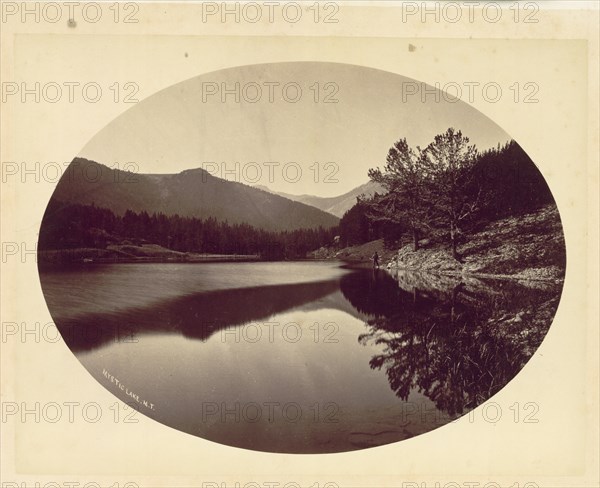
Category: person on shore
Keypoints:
(375, 260)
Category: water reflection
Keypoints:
(398, 343)
(456, 342)
(196, 316)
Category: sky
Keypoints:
(300, 128)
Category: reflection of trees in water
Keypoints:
(457, 343)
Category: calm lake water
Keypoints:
(301, 357)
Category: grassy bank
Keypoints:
(529, 247)
(129, 253)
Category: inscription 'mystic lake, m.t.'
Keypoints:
(317, 358)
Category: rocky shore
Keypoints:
(528, 247)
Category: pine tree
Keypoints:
(451, 160)
(405, 177)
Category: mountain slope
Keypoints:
(192, 193)
(337, 206)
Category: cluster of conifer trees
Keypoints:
(446, 189)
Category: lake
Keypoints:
(297, 357)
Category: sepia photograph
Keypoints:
(299, 244)
(220, 283)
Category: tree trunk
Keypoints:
(415, 240)
(453, 240)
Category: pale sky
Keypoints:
(185, 126)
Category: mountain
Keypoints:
(191, 193)
(337, 206)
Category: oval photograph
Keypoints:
(303, 257)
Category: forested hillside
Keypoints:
(69, 226)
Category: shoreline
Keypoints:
(345, 263)
(529, 247)
(93, 256)
(494, 276)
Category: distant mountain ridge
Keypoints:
(337, 206)
(191, 193)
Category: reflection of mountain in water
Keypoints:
(195, 316)
(457, 343)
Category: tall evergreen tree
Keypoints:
(451, 160)
(406, 179)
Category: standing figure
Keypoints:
(375, 260)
